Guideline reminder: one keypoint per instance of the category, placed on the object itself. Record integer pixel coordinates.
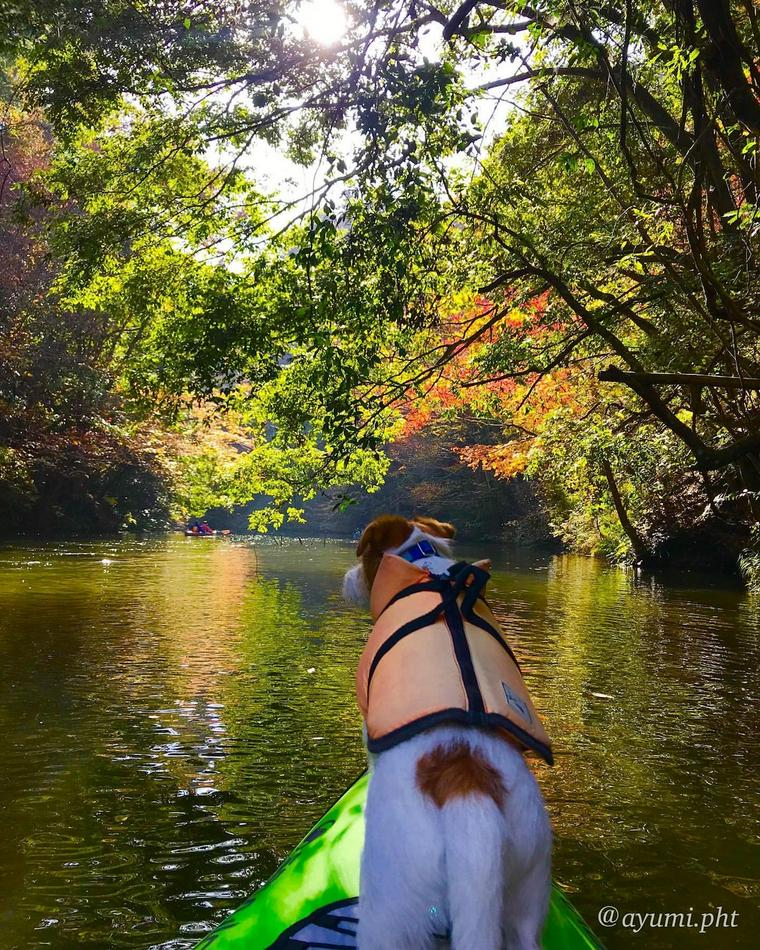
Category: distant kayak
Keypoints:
(312, 900)
(214, 534)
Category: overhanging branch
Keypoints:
(615, 375)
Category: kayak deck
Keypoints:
(311, 901)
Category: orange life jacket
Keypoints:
(437, 654)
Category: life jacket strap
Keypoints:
(424, 620)
(450, 588)
(446, 585)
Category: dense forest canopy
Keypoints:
(508, 200)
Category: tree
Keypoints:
(623, 193)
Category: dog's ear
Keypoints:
(387, 531)
(365, 541)
(440, 529)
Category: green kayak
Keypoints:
(311, 901)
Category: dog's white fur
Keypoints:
(469, 868)
(355, 589)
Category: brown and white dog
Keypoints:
(458, 841)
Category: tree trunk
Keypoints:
(639, 547)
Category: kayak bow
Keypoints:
(311, 901)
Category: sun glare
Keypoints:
(323, 20)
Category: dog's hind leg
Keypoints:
(528, 865)
(402, 885)
(474, 837)
(397, 903)
(525, 906)
(393, 921)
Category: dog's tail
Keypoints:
(470, 794)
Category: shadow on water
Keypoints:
(176, 713)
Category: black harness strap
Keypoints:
(433, 584)
(417, 624)
(449, 585)
(481, 622)
(455, 623)
(450, 588)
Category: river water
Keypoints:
(176, 713)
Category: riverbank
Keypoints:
(94, 481)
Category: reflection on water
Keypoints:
(176, 713)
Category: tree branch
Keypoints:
(615, 375)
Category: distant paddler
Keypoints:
(202, 529)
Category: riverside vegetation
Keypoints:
(582, 286)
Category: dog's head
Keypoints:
(385, 534)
